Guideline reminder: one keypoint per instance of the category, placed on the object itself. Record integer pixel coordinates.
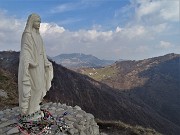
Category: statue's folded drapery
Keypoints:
(35, 73)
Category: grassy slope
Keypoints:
(9, 85)
(100, 74)
(120, 128)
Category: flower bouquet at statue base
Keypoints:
(41, 122)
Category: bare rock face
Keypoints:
(3, 93)
(78, 121)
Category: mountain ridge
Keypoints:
(77, 60)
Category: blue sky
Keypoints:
(71, 14)
(108, 29)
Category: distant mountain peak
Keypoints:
(79, 60)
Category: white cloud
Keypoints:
(94, 35)
(160, 27)
(69, 21)
(64, 8)
(165, 45)
(104, 44)
(170, 10)
(147, 8)
(134, 31)
(51, 28)
(118, 29)
(142, 49)
(10, 32)
(71, 6)
(157, 10)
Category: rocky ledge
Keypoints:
(78, 121)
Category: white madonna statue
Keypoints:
(35, 71)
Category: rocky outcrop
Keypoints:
(78, 121)
(3, 94)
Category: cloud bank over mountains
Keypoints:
(151, 29)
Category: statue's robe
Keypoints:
(35, 73)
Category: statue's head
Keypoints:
(33, 21)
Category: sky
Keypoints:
(107, 29)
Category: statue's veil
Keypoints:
(29, 24)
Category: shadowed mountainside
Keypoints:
(156, 81)
(99, 99)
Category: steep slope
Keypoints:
(99, 99)
(79, 60)
(120, 128)
(8, 79)
(9, 60)
(162, 89)
(8, 89)
(156, 81)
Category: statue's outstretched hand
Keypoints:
(48, 64)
